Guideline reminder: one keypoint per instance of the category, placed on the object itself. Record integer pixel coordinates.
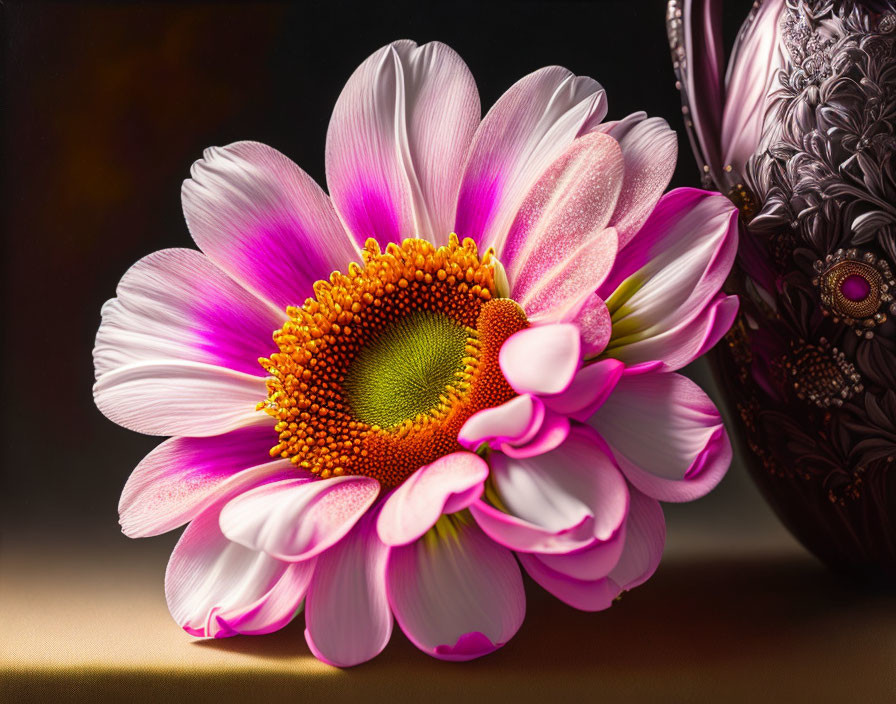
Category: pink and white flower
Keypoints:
(446, 408)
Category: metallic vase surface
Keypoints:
(809, 367)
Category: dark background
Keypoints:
(106, 105)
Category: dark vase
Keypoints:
(801, 135)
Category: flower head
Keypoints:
(471, 366)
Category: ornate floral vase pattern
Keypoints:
(801, 134)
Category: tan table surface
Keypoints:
(719, 622)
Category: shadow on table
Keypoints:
(698, 614)
(731, 630)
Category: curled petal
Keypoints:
(574, 578)
(585, 595)
(691, 237)
(520, 427)
(515, 421)
(397, 141)
(590, 387)
(679, 345)
(347, 617)
(448, 485)
(264, 221)
(666, 435)
(551, 434)
(542, 359)
(672, 269)
(296, 519)
(522, 135)
(216, 588)
(591, 563)
(456, 594)
(557, 502)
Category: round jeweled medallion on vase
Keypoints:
(800, 132)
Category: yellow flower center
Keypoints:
(378, 372)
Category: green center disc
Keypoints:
(402, 373)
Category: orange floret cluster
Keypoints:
(317, 428)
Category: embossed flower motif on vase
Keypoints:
(800, 132)
(377, 418)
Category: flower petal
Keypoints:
(594, 562)
(542, 359)
(645, 537)
(347, 617)
(642, 368)
(679, 345)
(557, 502)
(183, 476)
(687, 243)
(216, 588)
(519, 428)
(180, 398)
(551, 434)
(590, 387)
(522, 135)
(559, 245)
(589, 315)
(456, 596)
(666, 435)
(516, 420)
(264, 221)
(448, 485)
(585, 595)
(297, 519)
(566, 292)
(176, 305)
(650, 150)
(673, 267)
(397, 141)
(568, 577)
